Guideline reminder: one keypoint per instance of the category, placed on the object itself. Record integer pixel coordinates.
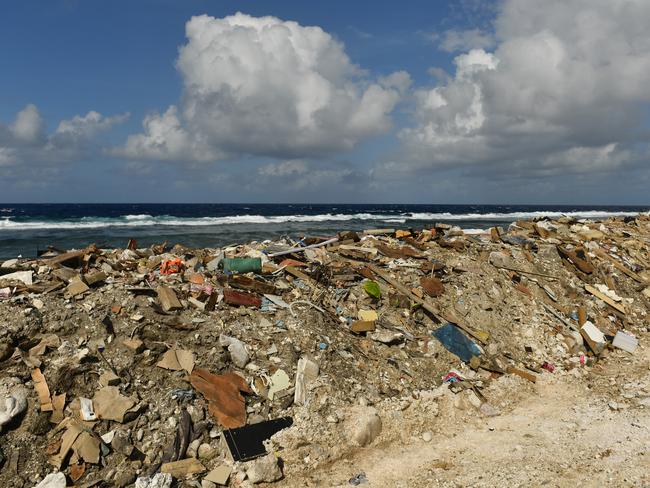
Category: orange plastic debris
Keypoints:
(171, 266)
(223, 392)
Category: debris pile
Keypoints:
(241, 365)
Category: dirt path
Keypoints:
(592, 431)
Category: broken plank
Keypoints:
(598, 294)
(299, 274)
(521, 373)
(603, 255)
(168, 299)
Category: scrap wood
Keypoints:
(479, 335)
(300, 249)
(299, 274)
(557, 315)
(401, 252)
(67, 258)
(521, 373)
(246, 283)
(168, 299)
(182, 468)
(579, 262)
(521, 271)
(603, 255)
(598, 294)
(223, 392)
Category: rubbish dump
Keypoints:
(244, 364)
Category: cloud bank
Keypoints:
(565, 90)
(25, 140)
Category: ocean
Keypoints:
(27, 228)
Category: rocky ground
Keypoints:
(130, 367)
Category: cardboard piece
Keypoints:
(110, 404)
(176, 360)
(432, 286)
(58, 405)
(219, 475)
(43, 391)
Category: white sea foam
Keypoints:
(145, 220)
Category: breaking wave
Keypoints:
(146, 220)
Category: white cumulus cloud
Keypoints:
(267, 87)
(565, 89)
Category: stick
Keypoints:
(527, 272)
(300, 249)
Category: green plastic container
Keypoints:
(241, 265)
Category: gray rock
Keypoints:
(124, 477)
(193, 448)
(264, 470)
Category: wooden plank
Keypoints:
(299, 274)
(168, 299)
(246, 283)
(522, 374)
(598, 294)
(182, 468)
(359, 326)
(603, 255)
(233, 297)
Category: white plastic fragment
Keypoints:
(306, 373)
(87, 412)
(625, 341)
(24, 276)
(594, 333)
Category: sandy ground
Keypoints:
(568, 431)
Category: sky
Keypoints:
(465, 101)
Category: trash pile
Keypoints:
(166, 367)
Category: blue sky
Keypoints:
(467, 101)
